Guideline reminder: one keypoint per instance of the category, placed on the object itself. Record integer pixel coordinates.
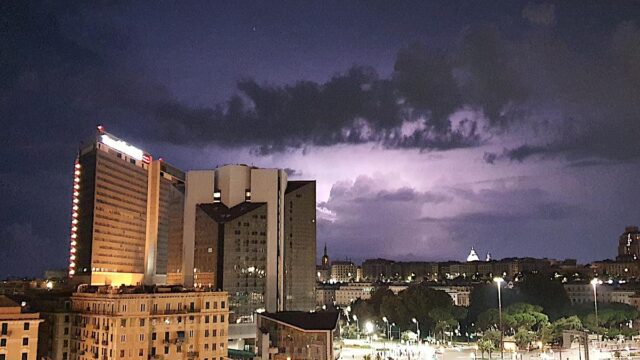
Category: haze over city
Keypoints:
(429, 127)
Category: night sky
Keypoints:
(430, 127)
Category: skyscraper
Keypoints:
(124, 206)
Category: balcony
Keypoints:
(170, 312)
(192, 354)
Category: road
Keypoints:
(357, 349)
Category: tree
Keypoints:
(488, 319)
(494, 336)
(486, 345)
(524, 337)
(523, 315)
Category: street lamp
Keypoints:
(415, 321)
(357, 326)
(595, 282)
(369, 328)
(386, 321)
(498, 280)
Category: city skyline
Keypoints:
(428, 127)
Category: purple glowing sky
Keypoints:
(430, 127)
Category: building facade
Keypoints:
(343, 271)
(148, 323)
(297, 335)
(18, 331)
(122, 211)
(629, 244)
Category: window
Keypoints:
(206, 319)
(153, 351)
(141, 337)
(166, 335)
(190, 333)
(123, 338)
(154, 336)
(121, 353)
(25, 356)
(206, 333)
(166, 350)
(66, 318)
(66, 343)
(123, 322)
(214, 319)
(26, 326)
(25, 341)
(206, 305)
(3, 342)
(215, 333)
(3, 357)
(141, 352)
(167, 306)
(143, 307)
(65, 356)
(5, 329)
(222, 304)
(141, 322)
(215, 304)
(179, 348)
(221, 318)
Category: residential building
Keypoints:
(348, 293)
(297, 335)
(326, 295)
(148, 323)
(343, 271)
(584, 294)
(18, 331)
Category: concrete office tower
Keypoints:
(122, 221)
(251, 233)
(300, 245)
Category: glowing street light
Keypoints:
(386, 321)
(498, 280)
(369, 327)
(595, 282)
(415, 321)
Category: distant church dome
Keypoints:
(472, 256)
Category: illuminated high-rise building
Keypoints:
(126, 209)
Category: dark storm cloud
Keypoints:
(351, 108)
(595, 112)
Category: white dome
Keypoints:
(473, 256)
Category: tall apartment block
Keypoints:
(18, 331)
(148, 323)
(126, 208)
